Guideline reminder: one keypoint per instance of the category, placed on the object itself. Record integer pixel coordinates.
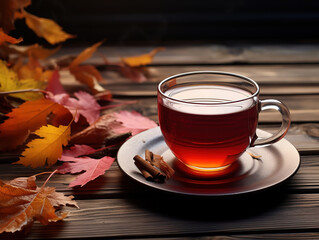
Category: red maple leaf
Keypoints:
(132, 122)
(113, 124)
(85, 104)
(92, 168)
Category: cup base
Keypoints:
(199, 172)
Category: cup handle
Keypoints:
(285, 123)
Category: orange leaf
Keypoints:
(88, 75)
(141, 60)
(46, 28)
(36, 51)
(40, 52)
(28, 117)
(22, 202)
(31, 70)
(86, 54)
(46, 149)
(6, 38)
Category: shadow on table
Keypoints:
(211, 208)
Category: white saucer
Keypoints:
(278, 162)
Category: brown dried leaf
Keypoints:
(21, 203)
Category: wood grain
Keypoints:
(301, 75)
(210, 54)
(164, 215)
(115, 206)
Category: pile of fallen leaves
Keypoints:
(47, 126)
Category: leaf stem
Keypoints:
(42, 173)
(51, 174)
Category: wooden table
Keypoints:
(114, 206)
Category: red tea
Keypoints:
(207, 135)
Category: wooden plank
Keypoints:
(163, 215)
(285, 75)
(149, 89)
(209, 54)
(115, 184)
(303, 109)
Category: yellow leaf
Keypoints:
(9, 82)
(141, 60)
(46, 149)
(46, 28)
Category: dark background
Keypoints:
(129, 22)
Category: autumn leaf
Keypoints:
(85, 54)
(46, 28)
(6, 38)
(27, 118)
(9, 82)
(141, 60)
(8, 8)
(111, 124)
(36, 51)
(54, 84)
(78, 150)
(133, 73)
(132, 122)
(92, 168)
(32, 70)
(22, 202)
(84, 105)
(87, 74)
(48, 148)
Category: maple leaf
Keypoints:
(141, 60)
(22, 202)
(9, 82)
(85, 104)
(46, 149)
(6, 38)
(46, 28)
(111, 124)
(28, 117)
(132, 122)
(92, 168)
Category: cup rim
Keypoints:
(255, 94)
